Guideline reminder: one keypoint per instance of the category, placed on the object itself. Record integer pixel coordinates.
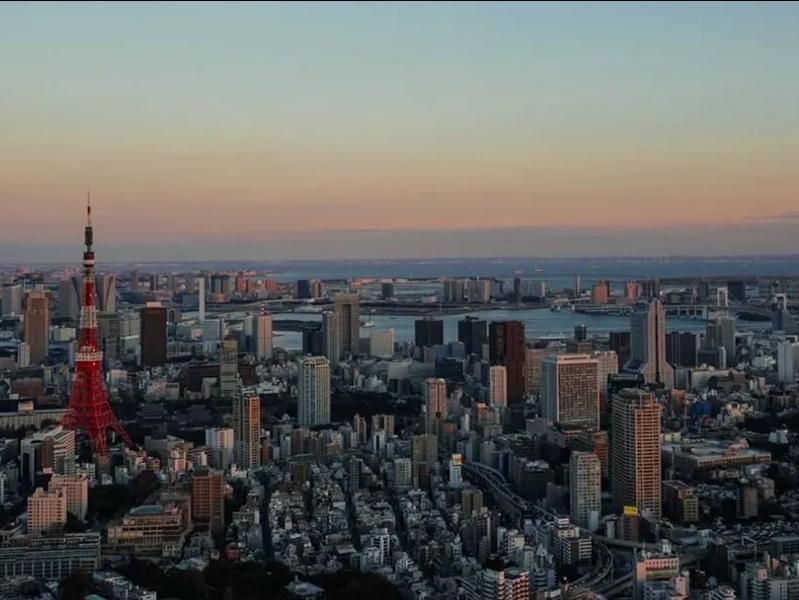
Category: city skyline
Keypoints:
(389, 131)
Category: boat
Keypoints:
(368, 324)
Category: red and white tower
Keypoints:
(88, 403)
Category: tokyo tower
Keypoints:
(88, 403)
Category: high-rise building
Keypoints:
(263, 336)
(619, 342)
(434, 394)
(650, 289)
(497, 386)
(600, 293)
(208, 499)
(228, 368)
(720, 333)
(533, 357)
(69, 290)
(220, 441)
(387, 290)
(585, 489)
(682, 348)
(787, 361)
(37, 324)
(631, 292)
(347, 307)
(570, 390)
(46, 510)
(331, 331)
(106, 286)
(11, 299)
(635, 467)
(381, 343)
(200, 281)
(473, 333)
(134, 281)
(648, 345)
(580, 332)
(247, 429)
(153, 335)
(303, 289)
(607, 365)
(313, 391)
(429, 332)
(507, 347)
(76, 490)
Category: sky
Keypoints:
(358, 130)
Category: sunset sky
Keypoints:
(297, 130)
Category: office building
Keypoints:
(648, 345)
(533, 358)
(631, 292)
(347, 307)
(220, 443)
(497, 386)
(262, 332)
(106, 288)
(473, 334)
(635, 467)
(247, 429)
(49, 557)
(37, 324)
(200, 286)
(507, 347)
(585, 489)
(46, 510)
(381, 343)
(570, 390)
(720, 333)
(208, 500)
(153, 335)
(600, 293)
(434, 395)
(313, 391)
(387, 290)
(75, 489)
(607, 366)
(429, 332)
(682, 348)
(787, 361)
(228, 368)
(619, 342)
(331, 332)
(149, 530)
(403, 474)
(69, 291)
(11, 299)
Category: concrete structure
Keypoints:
(648, 345)
(247, 430)
(347, 308)
(585, 489)
(434, 395)
(37, 324)
(229, 368)
(570, 390)
(46, 510)
(76, 490)
(153, 335)
(313, 391)
(635, 464)
(497, 386)
(208, 500)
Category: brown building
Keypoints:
(37, 324)
(247, 430)
(635, 469)
(507, 347)
(208, 500)
(153, 335)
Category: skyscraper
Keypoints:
(497, 386)
(313, 391)
(11, 299)
(37, 324)
(381, 343)
(429, 332)
(648, 345)
(585, 489)
(106, 285)
(473, 333)
(434, 394)
(69, 290)
(263, 336)
(247, 429)
(228, 368)
(200, 281)
(507, 347)
(208, 499)
(331, 331)
(720, 333)
(635, 467)
(347, 307)
(153, 335)
(570, 390)
(682, 348)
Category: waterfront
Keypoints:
(537, 323)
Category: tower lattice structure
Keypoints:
(88, 408)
